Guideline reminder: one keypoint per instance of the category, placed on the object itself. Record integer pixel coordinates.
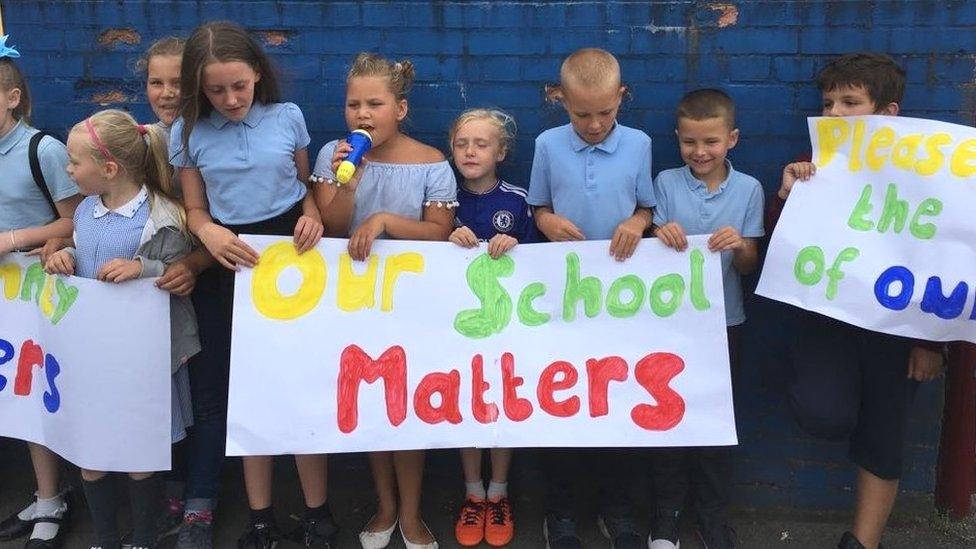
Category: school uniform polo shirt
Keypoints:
(22, 204)
(248, 167)
(596, 187)
(737, 203)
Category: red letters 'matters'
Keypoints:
(599, 372)
(654, 372)
(449, 386)
(548, 385)
(516, 408)
(356, 366)
(483, 412)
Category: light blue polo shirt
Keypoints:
(737, 203)
(22, 204)
(248, 167)
(596, 187)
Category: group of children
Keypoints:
(126, 200)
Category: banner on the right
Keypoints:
(884, 235)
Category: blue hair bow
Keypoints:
(5, 50)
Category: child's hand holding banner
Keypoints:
(882, 236)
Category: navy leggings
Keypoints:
(213, 300)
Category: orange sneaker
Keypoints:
(470, 527)
(500, 526)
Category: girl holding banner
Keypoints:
(37, 201)
(230, 99)
(403, 189)
(129, 226)
(489, 210)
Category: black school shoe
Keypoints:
(12, 527)
(317, 533)
(714, 533)
(848, 541)
(621, 530)
(560, 532)
(260, 535)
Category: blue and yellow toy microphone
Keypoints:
(361, 142)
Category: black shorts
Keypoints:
(849, 383)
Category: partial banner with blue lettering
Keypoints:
(882, 236)
(429, 345)
(85, 367)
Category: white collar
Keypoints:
(128, 209)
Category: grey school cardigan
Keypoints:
(167, 244)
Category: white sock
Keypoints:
(475, 489)
(497, 490)
(53, 507)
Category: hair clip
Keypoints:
(5, 50)
(142, 129)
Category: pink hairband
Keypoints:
(98, 142)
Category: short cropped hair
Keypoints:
(590, 68)
(707, 103)
(877, 73)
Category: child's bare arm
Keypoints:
(672, 235)
(629, 233)
(221, 242)
(745, 260)
(802, 171)
(30, 237)
(180, 276)
(436, 225)
(336, 206)
(556, 227)
(745, 251)
(924, 364)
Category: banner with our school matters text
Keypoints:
(428, 345)
(85, 367)
(883, 235)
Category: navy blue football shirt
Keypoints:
(500, 210)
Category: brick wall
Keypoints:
(81, 55)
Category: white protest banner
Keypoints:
(882, 236)
(85, 367)
(428, 345)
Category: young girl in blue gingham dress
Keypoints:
(129, 226)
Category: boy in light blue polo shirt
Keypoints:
(591, 180)
(705, 196)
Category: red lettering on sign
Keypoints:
(356, 366)
(654, 372)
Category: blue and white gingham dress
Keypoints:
(101, 236)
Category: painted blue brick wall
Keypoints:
(502, 53)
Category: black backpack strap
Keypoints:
(35, 166)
